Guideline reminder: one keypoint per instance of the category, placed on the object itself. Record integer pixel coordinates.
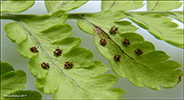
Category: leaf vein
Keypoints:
(59, 6)
(112, 4)
(155, 5)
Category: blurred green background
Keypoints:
(10, 54)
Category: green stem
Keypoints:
(78, 15)
(70, 15)
(9, 16)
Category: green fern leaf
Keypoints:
(178, 15)
(114, 5)
(19, 36)
(66, 5)
(16, 5)
(12, 82)
(93, 85)
(161, 27)
(151, 68)
(10, 79)
(5, 67)
(158, 5)
(82, 81)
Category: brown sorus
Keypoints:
(57, 52)
(103, 42)
(117, 57)
(126, 42)
(138, 52)
(68, 65)
(113, 30)
(45, 65)
(34, 49)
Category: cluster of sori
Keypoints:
(125, 42)
(57, 53)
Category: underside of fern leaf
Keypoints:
(70, 74)
(130, 56)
